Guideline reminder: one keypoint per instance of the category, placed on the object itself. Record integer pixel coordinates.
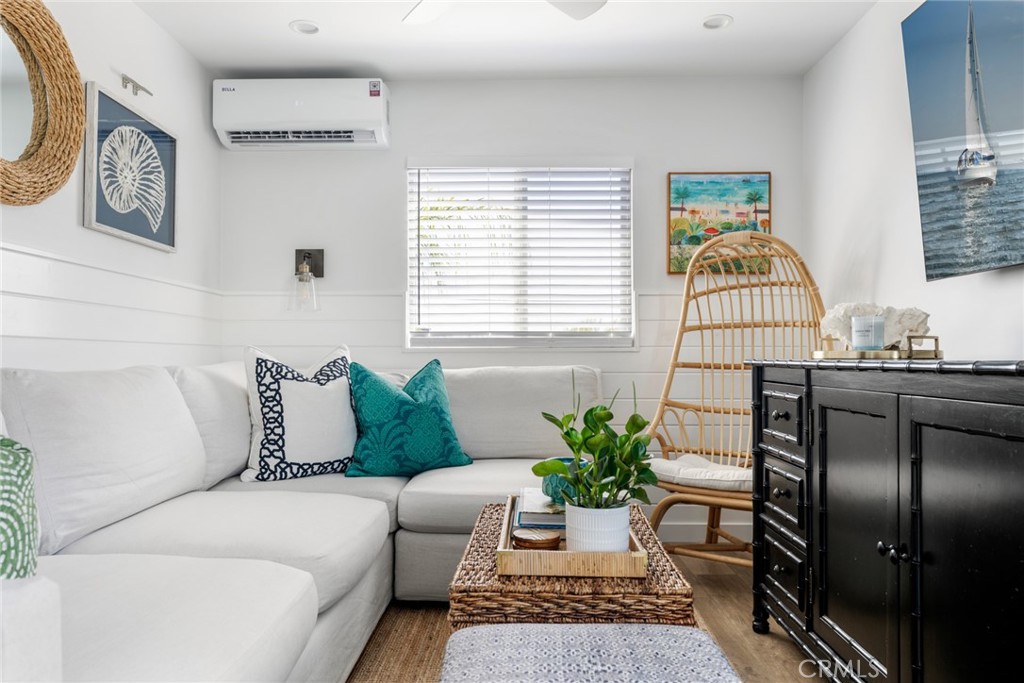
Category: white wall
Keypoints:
(353, 204)
(74, 298)
(861, 221)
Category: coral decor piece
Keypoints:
(899, 323)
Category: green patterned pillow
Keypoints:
(19, 526)
(403, 431)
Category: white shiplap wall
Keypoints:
(76, 299)
(372, 326)
(60, 313)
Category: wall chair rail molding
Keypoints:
(130, 169)
(58, 105)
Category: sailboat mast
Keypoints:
(977, 161)
(975, 124)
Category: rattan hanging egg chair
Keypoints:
(746, 295)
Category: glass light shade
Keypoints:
(303, 295)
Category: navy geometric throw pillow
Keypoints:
(303, 422)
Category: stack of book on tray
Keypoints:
(535, 510)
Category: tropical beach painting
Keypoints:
(705, 205)
(965, 75)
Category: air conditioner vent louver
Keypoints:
(255, 137)
(259, 114)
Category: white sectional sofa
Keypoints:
(169, 567)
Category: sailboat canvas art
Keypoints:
(965, 75)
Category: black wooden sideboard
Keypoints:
(889, 516)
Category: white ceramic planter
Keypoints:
(597, 529)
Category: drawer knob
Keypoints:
(781, 493)
(776, 415)
(779, 569)
(895, 553)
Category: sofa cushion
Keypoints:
(30, 630)
(384, 489)
(107, 445)
(403, 431)
(217, 398)
(331, 536)
(153, 618)
(448, 501)
(516, 430)
(302, 420)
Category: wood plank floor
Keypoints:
(721, 594)
(409, 640)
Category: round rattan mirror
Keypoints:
(58, 105)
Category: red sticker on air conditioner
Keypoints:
(374, 88)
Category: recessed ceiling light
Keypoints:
(717, 21)
(304, 27)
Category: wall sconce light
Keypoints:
(309, 265)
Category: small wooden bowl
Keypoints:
(536, 539)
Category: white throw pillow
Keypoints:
(302, 420)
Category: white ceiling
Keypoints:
(505, 39)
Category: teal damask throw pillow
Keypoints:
(403, 431)
(19, 524)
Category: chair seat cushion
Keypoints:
(155, 618)
(333, 537)
(693, 470)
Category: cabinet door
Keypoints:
(856, 506)
(965, 465)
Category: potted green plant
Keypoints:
(606, 472)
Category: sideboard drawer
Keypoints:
(785, 572)
(784, 494)
(782, 415)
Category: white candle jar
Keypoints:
(867, 332)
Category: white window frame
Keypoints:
(482, 339)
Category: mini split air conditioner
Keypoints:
(302, 113)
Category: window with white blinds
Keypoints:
(520, 257)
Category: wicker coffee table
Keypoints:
(478, 595)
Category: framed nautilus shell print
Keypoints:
(129, 172)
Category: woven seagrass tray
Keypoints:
(479, 595)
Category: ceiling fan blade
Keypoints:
(425, 11)
(578, 9)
